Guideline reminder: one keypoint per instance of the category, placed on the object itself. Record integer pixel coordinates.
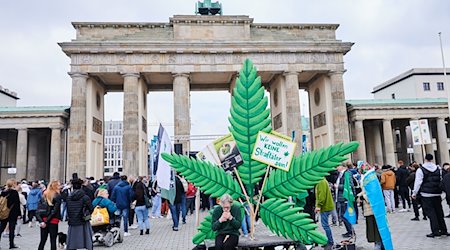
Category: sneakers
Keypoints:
(126, 234)
(424, 218)
(347, 235)
(18, 235)
(133, 226)
(432, 235)
(415, 218)
(175, 228)
(14, 247)
(403, 210)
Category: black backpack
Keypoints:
(43, 208)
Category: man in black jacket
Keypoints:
(402, 175)
(115, 179)
(446, 183)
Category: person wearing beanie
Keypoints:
(428, 186)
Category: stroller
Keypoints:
(108, 234)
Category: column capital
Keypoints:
(130, 74)
(441, 118)
(78, 74)
(289, 73)
(181, 74)
(387, 119)
(336, 72)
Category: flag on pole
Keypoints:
(163, 171)
(349, 214)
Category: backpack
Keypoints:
(4, 209)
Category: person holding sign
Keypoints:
(226, 221)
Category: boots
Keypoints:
(142, 232)
(147, 231)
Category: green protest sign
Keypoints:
(273, 150)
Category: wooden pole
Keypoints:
(250, 205)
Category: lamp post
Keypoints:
(445, 74)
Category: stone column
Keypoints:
(77, 126)
(359, 135)
(377, 144)
(130, 124)
(55, 155)
(181, 99)
(22, 154)
(442, 140)
(388, 142)
(293, 114)
(340, 121)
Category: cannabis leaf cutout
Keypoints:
(249, 115)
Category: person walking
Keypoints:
(13, 203)
(428, 185)
(141, 210)
(340, 199)
(49, 219)
(23, 203)
(403, 189)
(415, 202)
(325, 206)
(190, 198)
(115, 179)
(122, 196)
(79, 235)
(156, 195)
(175, 208)
(387, 182)
(226, 221)
(33, 199)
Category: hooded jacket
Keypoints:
(112, 183)
(76, 202)
(430, 167)
(33, 198)
(122, 195)
(388, 180)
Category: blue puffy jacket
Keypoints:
(122, 195)
(33, 198)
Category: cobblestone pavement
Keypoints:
(406, 234)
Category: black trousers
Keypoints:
(11, 227)
(130, 216)
(404, 193)
(416, 203)
(31, 214)
(51, 229)
(396, 193)
(433, 209)
(190, 205)
(230, 243)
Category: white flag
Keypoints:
(163, 171)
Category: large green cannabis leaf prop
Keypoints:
(249, 115)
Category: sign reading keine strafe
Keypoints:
(420, 132)
(273, 150)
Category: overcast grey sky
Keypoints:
(390, 37)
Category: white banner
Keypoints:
(163, 171)
(425, 131)
(420, 132)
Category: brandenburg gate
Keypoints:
(194, 52)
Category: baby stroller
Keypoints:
(108, 234)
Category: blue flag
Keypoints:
(350, 213)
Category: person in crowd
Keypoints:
(13, 203)
(325, 206)
(66, 191)
(122, 196)
(403, 189)
(183, 198)
(102, 200)
(246, 223)
(428, 184)
(156, 196)
(190, 198)
(332, 178)
(446, 184)
(94, 183)
(204, 201)
(165, 207)
(341, 201)
(79, 235)
(23, 203)
(33, 199)
(131, 213)
(175, 208)
(141, 194)
(415, 202)
(50, 219)
(387, 182)
(25, 191)
(372, 233)
(226, 221)
(88, 189)
(113, 181)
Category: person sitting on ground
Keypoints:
(226, 221)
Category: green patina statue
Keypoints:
(208, 8)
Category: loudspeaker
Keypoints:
(178, 148)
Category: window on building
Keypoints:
(106, 170)
(426, 86)
(440, 86)
(105, 164)
(120, 169)
(393, 95)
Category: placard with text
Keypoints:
(273, 150)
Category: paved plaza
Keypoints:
(406, 234)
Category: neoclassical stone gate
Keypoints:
(199, 53)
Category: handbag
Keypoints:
(148, 203)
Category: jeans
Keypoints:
(51, 229)
(334, 217)
(342, 207)
(324, 221)
(246, 222)
(183, 207)
(64, 211)
(124, 215)
(142, 217)
(175, 211)
(156, 209)
(389, 199)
